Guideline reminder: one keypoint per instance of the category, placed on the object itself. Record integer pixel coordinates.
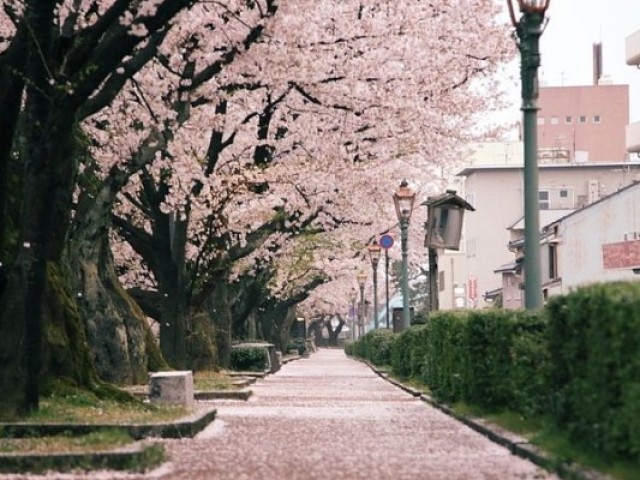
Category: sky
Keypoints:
(567, 44)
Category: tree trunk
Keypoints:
(116, 326)
(169, 250)
(48, 180)
(281, 318)
(117, 330)
(66, 352)
(173, 326)
(201, 346)
(217, 304)
(316, 327)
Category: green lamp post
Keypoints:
(362, 278)
(352, 299)
(403, 200)
(374, 253)
(528, 31)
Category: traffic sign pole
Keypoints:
(386, 242)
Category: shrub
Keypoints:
(348, 347)
(401, 355)
(529, 358)
(299, 344)
(445, 355)
(379, 345)
(594, 333)
(249, 358)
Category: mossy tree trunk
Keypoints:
(62, 77)
(277, 315)
(66, 351)
(121, 342)
(164, 252)
(116, 328)
(217, 304)
(47, 186)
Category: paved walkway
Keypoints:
(330, 417)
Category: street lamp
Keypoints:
(361, 279)
(403, 199)
(528, 30)
(352, 299)
(374, 253)
(444, 230)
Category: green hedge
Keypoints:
(375, 346)
(491, 358)
(407, 357)
(299, 344)
(594, 345)
(249, 358)
(577, 362)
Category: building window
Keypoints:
(553, 261)
(540, 121)
(568, 119)
(564, 193)
(543, 199)
(554, 120)
(596, 119)
(583, 119)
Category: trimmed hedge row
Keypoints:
(375, 346)
(594, 346)
(578, 361)
(485, 358)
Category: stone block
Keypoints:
(175, 388)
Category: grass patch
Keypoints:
(69, 405)
(92, 442)
(526, 427)
(85, 407)
(213, 380)
(565, 450)
(538, 431)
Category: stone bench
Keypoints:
(174, 388)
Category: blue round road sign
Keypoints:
(386, 242)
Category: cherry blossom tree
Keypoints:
(332, 126)
(61, 60)
(210, 125)
(173, 186)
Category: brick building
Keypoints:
(583, 123)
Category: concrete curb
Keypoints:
(517, 445)
(243, 394)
